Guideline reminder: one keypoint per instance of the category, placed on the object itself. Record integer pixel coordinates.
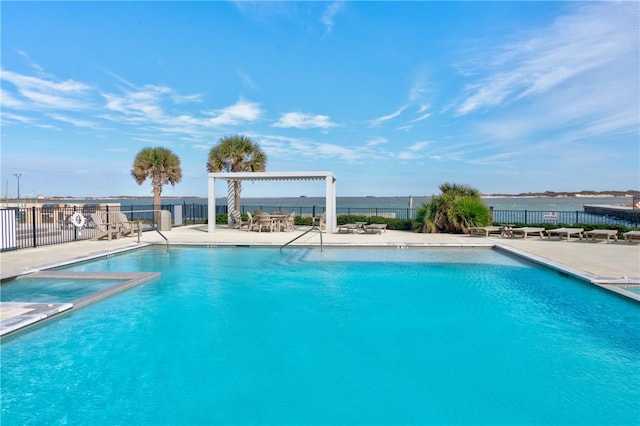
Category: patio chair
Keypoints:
(289, 223)
(237, 220)
(526, 230)
(486, 230)
(320, 222)
(109, 230)
(251, 222)
(565, 232)
(631, 236)
(264, 222)
(350, 228)
(375, 228)
(605, 234)
(126, 226)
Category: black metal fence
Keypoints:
(47, 225)
(561, 217)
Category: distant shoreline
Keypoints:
(547, 194)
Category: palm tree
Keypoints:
(458, 208)
(236, 154)
(159, 164)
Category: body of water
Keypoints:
(501, 203)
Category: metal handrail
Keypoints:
(313, 226)
(155, 228)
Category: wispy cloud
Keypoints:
(38, 93)
(75, 121)
(301, 120)
(418, 146)
(569, 51)
(329, 15)
(376, 141)
(241, 111)
(421, 118)
(380, 120)
(247, 80)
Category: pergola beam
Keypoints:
(328, 177)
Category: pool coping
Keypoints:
(607, 283)
(29, 314)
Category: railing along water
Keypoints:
(27, 227)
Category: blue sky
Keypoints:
(394, 97)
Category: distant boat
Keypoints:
(303, 196)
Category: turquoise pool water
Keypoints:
(49, 290)
(256, 336)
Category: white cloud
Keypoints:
(418, 146)
(301, 120)
(76, 122)
(38, 93)
(241, 111)
(596, 36)
(422, 117)
(376, 141)
(246, 80)
(379, 120)
(329, 15)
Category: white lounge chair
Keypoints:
(565, 232)
(375, 228)
(349, 228)
(631, 236)
(606, 234)
(486, 230)
(525, 231)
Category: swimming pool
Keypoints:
(259, 336)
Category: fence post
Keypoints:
(33, 222)
(75, 229)
(525, 217)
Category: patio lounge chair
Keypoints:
(350, 228)
(631, 236)
(125, 226)
(109, 230)
(607, 234)
(486, 230)
(565, 232)
(525, 231)
(375, 228)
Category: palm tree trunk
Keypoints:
(231, 201)
(236, 190)
(157, 190)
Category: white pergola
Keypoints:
(328, 177)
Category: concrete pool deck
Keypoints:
(614, 262)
